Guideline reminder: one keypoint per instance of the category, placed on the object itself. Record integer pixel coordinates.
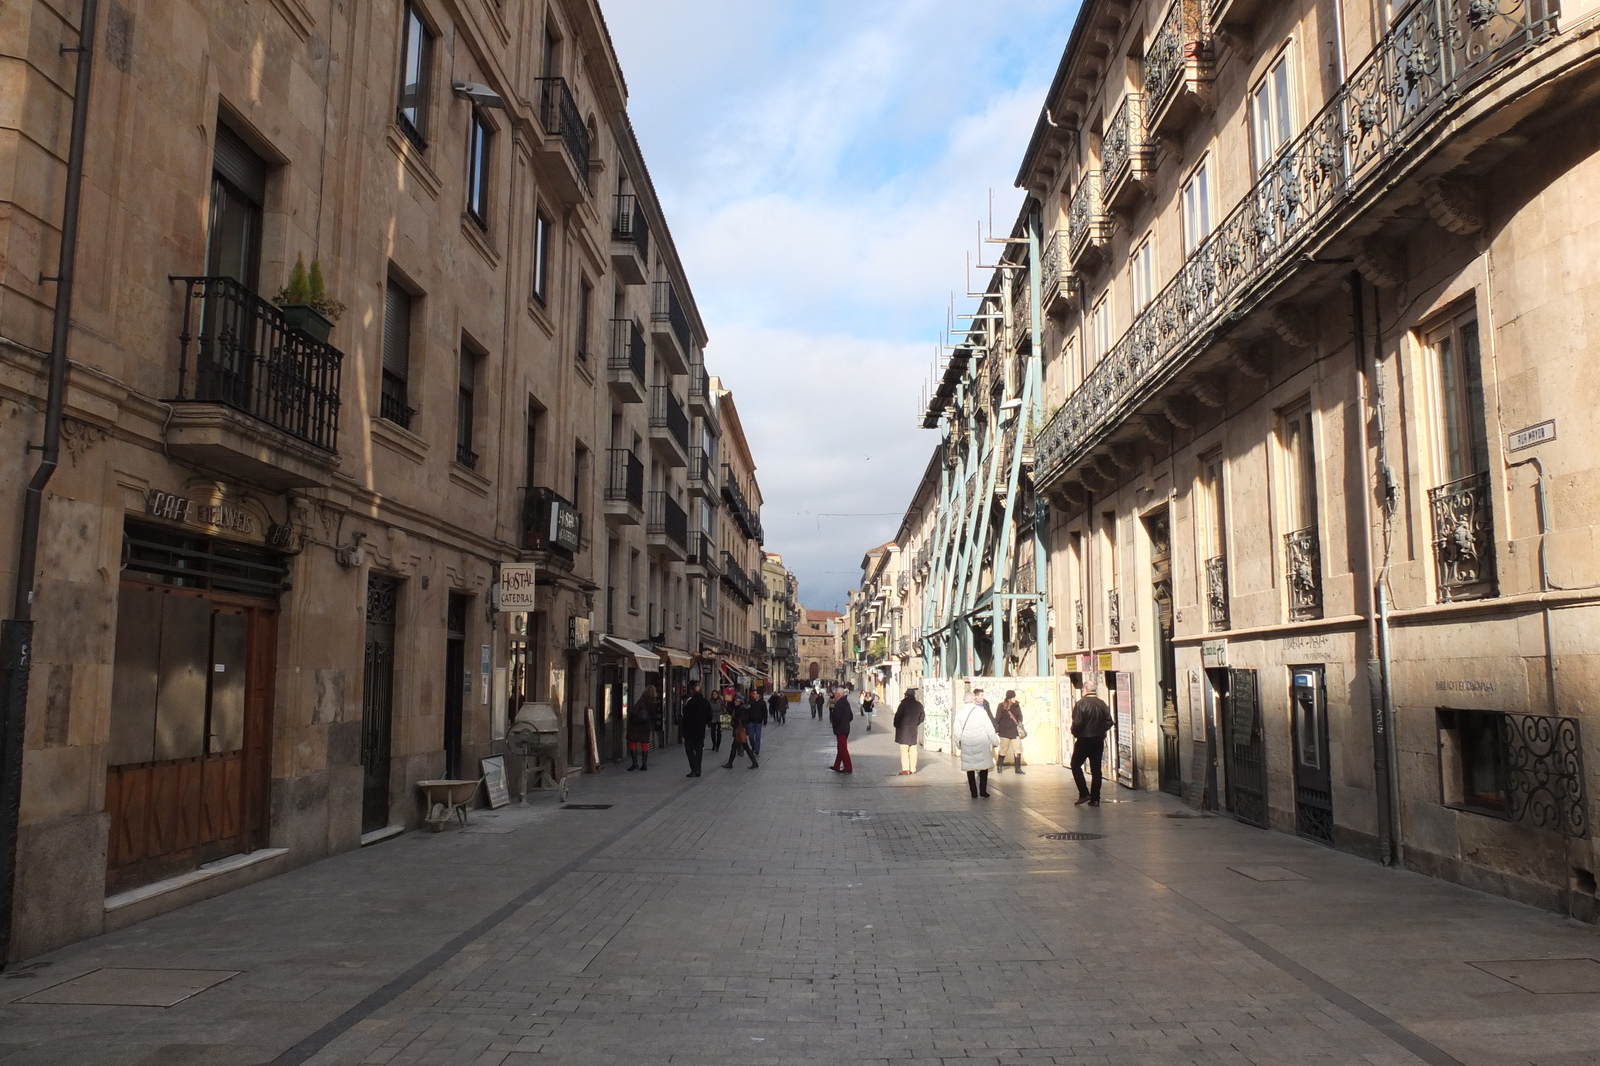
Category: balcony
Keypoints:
(1127, 155)
(669, 325)
(1362, 142)
(1179, 67)
(624, 487)
(260, 400)
(758, 643)
(1217, 593)
(1304, 559)
(736, 581)
(702, 475)
(1463, 539)
(700, 391)
(702, 558)
(669, 427)
(733, 496)
(1055, 276)
(625, 364)
(1235, 16)
(551, 524)
(630, 241)
(565, 149)
(1088, 224)
(667, 528)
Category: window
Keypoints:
(416, 57)
(531, 442)
(1472, 761)
(1213, 516)
(1271, 118)
(1299, 468)
(633, 580)
(580, 475)
(392, 399)
(1099, 331)
(1197, 207)
(585, 299)
(464, 409)
(541, 257)
(1458, 382)
(238, 189)
(1142, 265)
(551, 61)
(479, 137)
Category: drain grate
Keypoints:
(586, 806)
(1074, 836)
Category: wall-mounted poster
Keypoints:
(494, 781)
(1122, 707)
(1197, 707)
(936, 694)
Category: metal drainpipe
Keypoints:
(1377, 600)
(16, 632)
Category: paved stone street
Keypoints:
(789, 915)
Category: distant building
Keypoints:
(817, 643)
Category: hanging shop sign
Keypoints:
(516, 587)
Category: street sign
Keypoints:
(516, 587)
(1523, 439)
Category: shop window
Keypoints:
(1472, 761)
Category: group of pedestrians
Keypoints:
(978, 733)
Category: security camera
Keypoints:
(481, 95)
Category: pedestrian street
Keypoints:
(792, 915)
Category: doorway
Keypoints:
(1313, 774)
(1244, 748)
(456, 680)
(377, 700)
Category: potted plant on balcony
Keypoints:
(305, 302)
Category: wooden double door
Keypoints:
(187, 773)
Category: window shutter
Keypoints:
(396, 331)
(239, 166)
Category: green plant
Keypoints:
(308, 288)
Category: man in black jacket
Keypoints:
(696, 718)
(1091, 721)
(839, 717)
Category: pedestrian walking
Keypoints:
(720, 719)
(740, 711)
(976, 739)
(778, 705)
(1008, 724)
(641, 727)
(696, 719)
(816, 703)
(869, 703)
(755, 720)
(839, 717)
(1091, 721)
(908, 719)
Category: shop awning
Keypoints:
(676, 657)
(642, 657)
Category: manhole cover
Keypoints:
(1074, 836)
(586, 806)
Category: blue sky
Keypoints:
(824, 166)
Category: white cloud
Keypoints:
(824, 165)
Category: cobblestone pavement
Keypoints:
(789, 915)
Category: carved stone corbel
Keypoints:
(1295, 328)
(1126, 456)
(1107, 467)
(1181, 413)
(1456, 207)
(1156, 431)
(1210, 389)
(1381, 263)
(1253, 362)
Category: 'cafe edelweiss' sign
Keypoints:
(213, 514)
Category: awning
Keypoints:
(675, 657)
(642, 657)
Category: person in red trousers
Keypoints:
(840, 716)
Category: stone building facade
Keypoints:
(780, 616)
(742, 641)
(1315, 279)
(271, 561)
(817, 641)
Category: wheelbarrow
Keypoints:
(446, 797)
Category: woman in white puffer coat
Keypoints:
(976, 740)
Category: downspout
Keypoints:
(1377, 606)
(16, 632)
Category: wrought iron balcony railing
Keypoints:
(1088, 225)
(703, 551)
(1434, 51)
(392, 408)
(1544, 773)
(466, 456)
(559, 115)
(702, 469)
(248, 357)
(1304, 567)
(699, 385)
(667, 519)
(1463, 539)
(667, 308)
(631, 224)
(1217, 592)
(627, 347)
(1126, 150)
(1179, 52)
(1052, 268)
(735, 579)
(625, 478)
(666, 412)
